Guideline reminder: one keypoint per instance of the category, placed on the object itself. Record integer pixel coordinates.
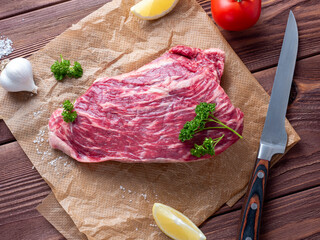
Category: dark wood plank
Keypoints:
(300, 168)
(295, 216)
(297, 171)
(21, 186)
(258, 47)
(31, 31)
(5, 134)
(36, 228)
(11, 8)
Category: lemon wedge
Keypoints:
(153, 9)
(174, 224)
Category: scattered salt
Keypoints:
(45, 153)
(35, 114)
(32, 167)
(39, 137)
(53, 162)
(38, 141)
(129, 191)
(38, 151)
(5, 46)
(130, 200)
(144, 195)
(153, 225)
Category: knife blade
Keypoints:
(274, 137)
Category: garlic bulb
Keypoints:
(17, 76)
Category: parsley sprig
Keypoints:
(207, 147)
(68, 113)
(204, 114)
(63, 68)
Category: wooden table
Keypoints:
(292, 205)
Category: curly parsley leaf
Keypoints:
(190, 128)
(67, 106)
(63, 68)
(68, 113)
(207, 147)
(204, 114)
(60, 69)
(75, 71)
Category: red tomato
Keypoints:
(235, 15)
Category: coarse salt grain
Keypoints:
(54, 161)
(39, 140)
(5, 46)
(144, 195)
(35, 114)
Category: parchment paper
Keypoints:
(55, 214)
(113, 200)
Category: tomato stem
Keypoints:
(239, 0)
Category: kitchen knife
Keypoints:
(274, 137)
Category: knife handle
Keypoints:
(252, 208)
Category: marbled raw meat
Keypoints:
(137, 116)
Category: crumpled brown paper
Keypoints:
(113, 200)
(55, 214)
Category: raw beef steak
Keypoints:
(137, 116)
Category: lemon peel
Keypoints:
(153, 9)
(174, 224)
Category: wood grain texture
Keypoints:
(253, 204)
(300, 168)
(33, 30)
(258, 47)
(35, 228)
(291, 209)
(278, 220)
(5, 134)
(21, 186)
(11, 8)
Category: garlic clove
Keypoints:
(35, 89)
(17, 76)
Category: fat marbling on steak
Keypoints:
(137, 116)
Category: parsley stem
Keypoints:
(207, 128)
(216, 120)
(217, 140)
